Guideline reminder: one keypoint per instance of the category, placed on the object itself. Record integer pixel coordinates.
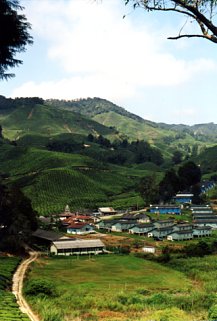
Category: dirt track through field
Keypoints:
(18, 286)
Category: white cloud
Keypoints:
(101, 53)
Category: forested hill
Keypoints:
(95, 106)
(35, 116)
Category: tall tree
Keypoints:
(190, 174)
(17, 218)
(203, 12)
(1, 135)
(169, 185)
(14, 36)
(177, 157)
(148, 188)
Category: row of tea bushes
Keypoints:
(9, 309)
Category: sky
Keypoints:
(85, 48)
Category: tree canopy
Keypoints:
(14, 36)
(203, 12)
(17, 218)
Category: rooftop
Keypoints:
(46, 235)
(77, 244)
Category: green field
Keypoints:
(9, 310)
(116, 287)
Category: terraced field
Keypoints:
(53, 179)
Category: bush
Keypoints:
(38, 287)
(213, 313)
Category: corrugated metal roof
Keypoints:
(142, 225)
(77, 244)
(106, 209)
(164, 206)
(202, 227)
(46, 235)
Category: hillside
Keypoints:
(60, 156)
(188, 139)
(53, 179)
(29, 118)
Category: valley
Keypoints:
(93, 154)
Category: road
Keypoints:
(18, 286)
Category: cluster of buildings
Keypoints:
(204, 220)
(158, 229)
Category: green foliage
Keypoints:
(213, 313)
(190, 174)
(199, 249)
(40, 287)
(149, 190)
(17, 218)
(169, 185)
(14, 35)
(9, 310)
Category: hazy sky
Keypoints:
(84, 48)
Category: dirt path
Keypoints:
(18, 286)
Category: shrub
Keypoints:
(39, 286)
(212, 315)
(170, 315)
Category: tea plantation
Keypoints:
(9, 310)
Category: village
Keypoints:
(148, 223)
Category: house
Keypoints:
(161, 229)
(165, 209)
(200, 231)
(80, 228)
(76, 219)
(46, 235)
(183, 198)
(204, 216)
(163, 223)
(200, 207)
(161, 232)
(202, 213)
(141, 229)
(142, 218)
(138, 217)
(129, 217)
(212, 222)
(180, 235)
(181, 232)
(105, 224)
(106, 211)
(206, 186)
(45, 238)
(122, 225)
(66, 214)
(77, 247)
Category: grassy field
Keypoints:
(116, 287)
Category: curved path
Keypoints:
(18, 286)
